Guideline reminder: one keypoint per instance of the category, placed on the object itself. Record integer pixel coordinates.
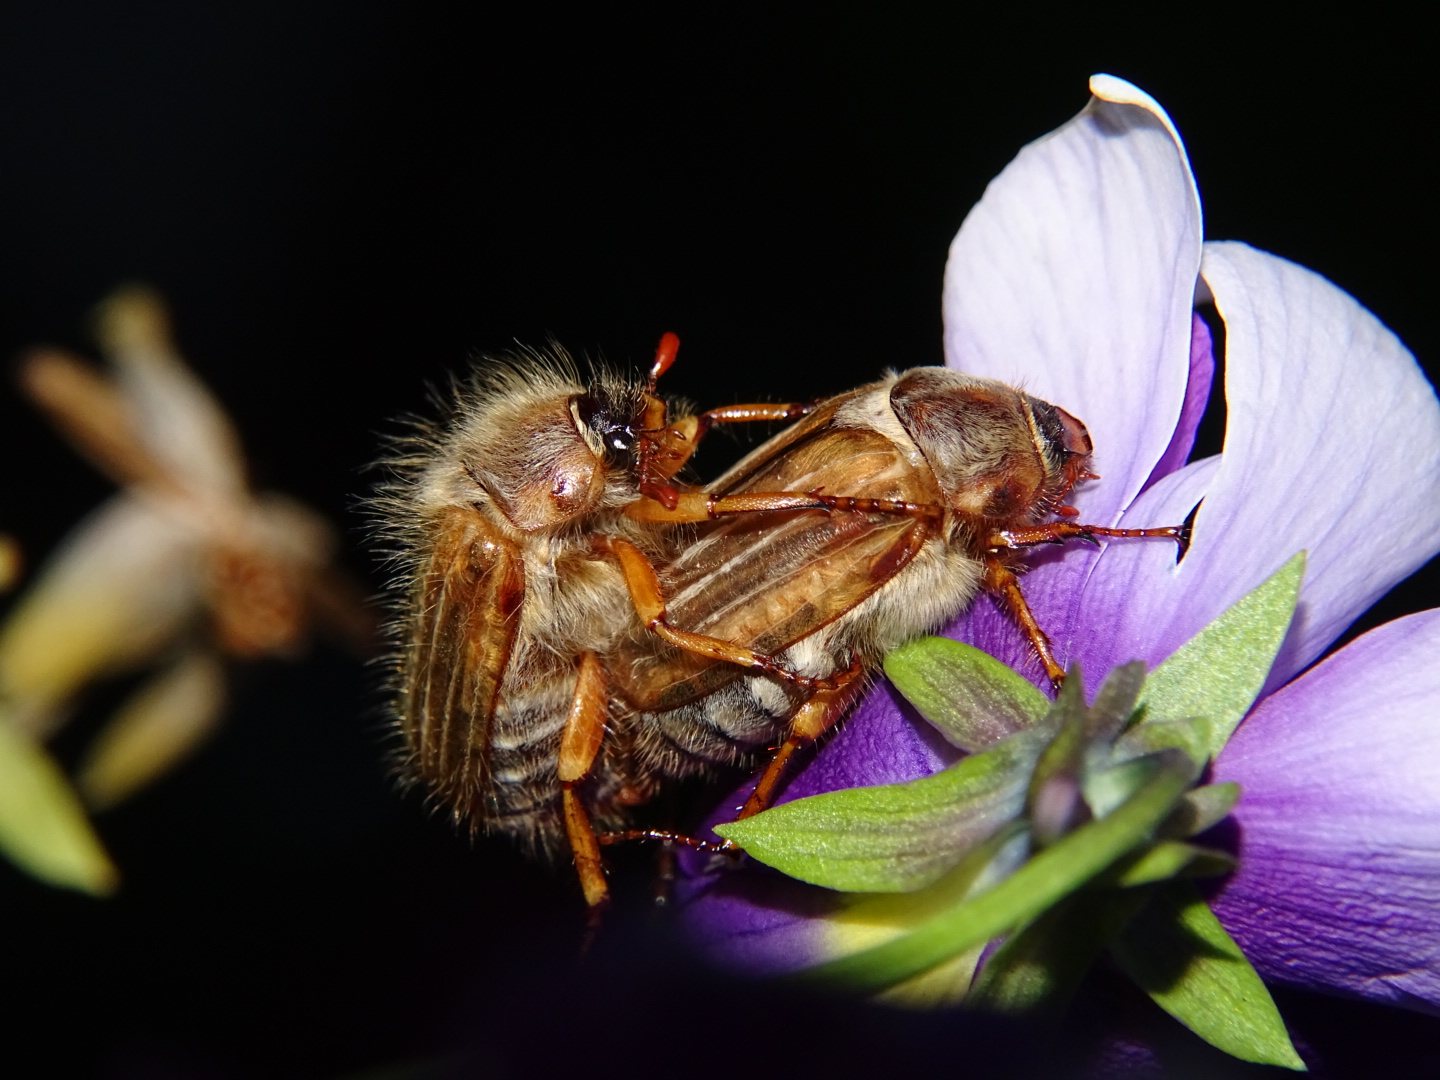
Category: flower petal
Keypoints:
(1353, 468)
(1197, 396)
(176, 415)
(165, 720)
(117, 592)
(756, 920)
(1075, 276)
(1339, 880)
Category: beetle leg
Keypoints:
(698, 506)
(665, 447)
(774, 412)
(817, 716)
(1060, 531)
(693, 506)
(649, 604)
(579, 743)
(664, 836)
(664, 451)
(674, 444)
(1001, 582)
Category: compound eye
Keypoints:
(602, 427)
(619, 440)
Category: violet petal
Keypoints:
(1197, 396)
(1339, 878)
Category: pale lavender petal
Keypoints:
(1339, 879)
(1332, 446)
(1075, 275)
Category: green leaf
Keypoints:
(1053, 801)
(1046, 879)
(1039, 968)
(43, 828)
(1201, 808)
(974, 699)
(1193, 736)
(1116, 700)
(1107, 788)
(1168, 859)
(865, 920)
(1218, 673)
(1180, 955)
(893, 837)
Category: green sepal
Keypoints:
(1219, 672)
(1179, 954)
(864, 915)
(1038, 969)
(1116, 701)
(1106, 787)
(893, 837)
(1053, 802)
(1168, 859)
(973, 699)
(1193, 736)
(1044, 880)
(43, 827)
(1201, 808)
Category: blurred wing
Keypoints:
(767, 580)
(466, 607)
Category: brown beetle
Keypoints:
(946, 478)
(512, 599)
(582, 628)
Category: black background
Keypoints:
(345, 200)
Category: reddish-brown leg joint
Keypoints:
(878, 506)
(628, 836)
(579, 743)
(815, 717)
(1056, 532)
(1001, 582)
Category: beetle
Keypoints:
(578, 627)
(509, 597)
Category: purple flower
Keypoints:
(1077, 276)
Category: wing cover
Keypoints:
(469, 592)
(767, 580)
